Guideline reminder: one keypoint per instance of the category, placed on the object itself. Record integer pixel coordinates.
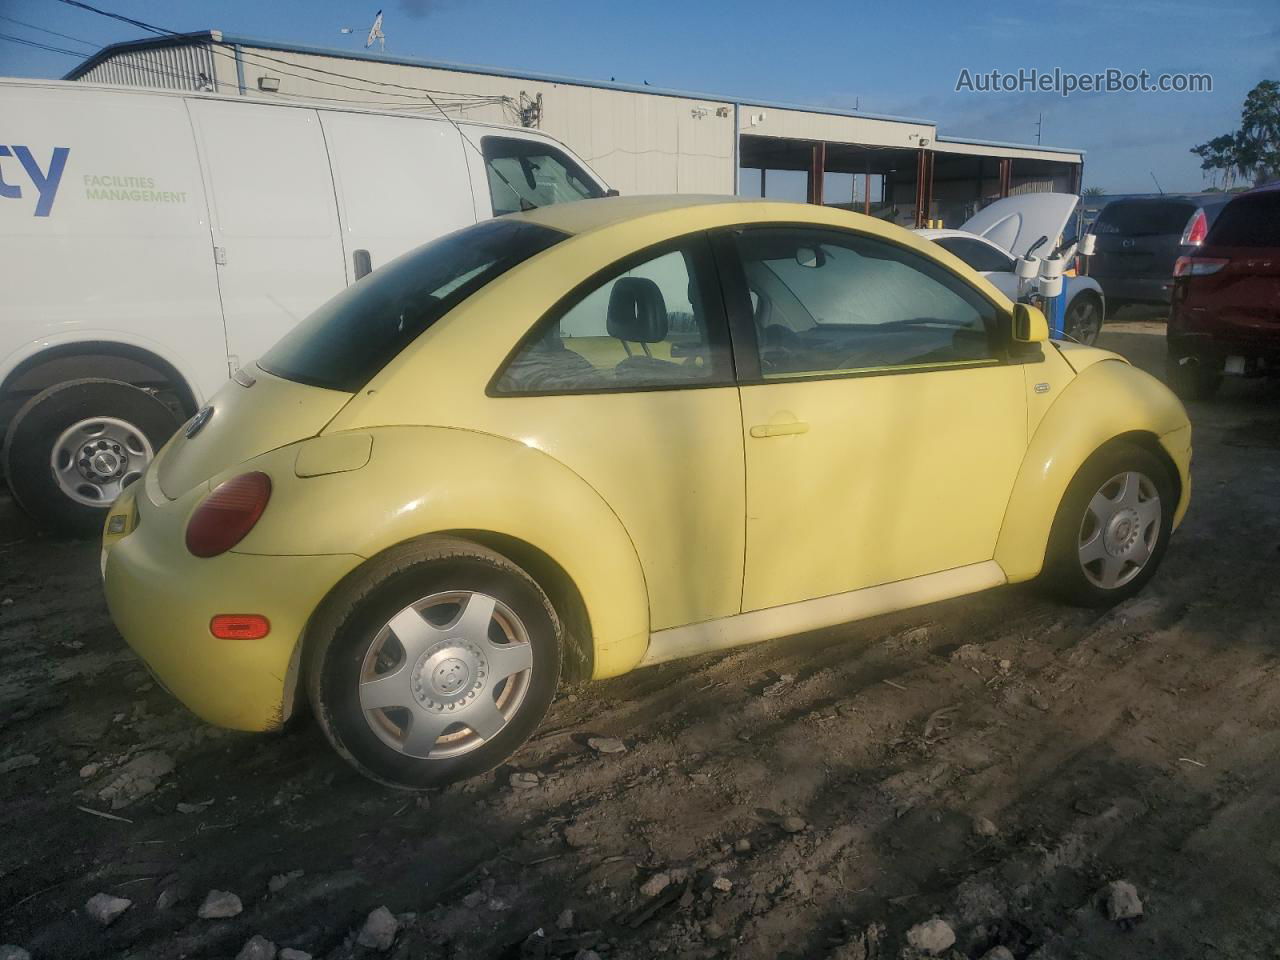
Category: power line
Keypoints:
(163, 31)
(42, 46)
(55, 33)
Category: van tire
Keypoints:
(43, 421)
(348, 633)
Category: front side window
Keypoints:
(351, 337)
(527, 174)
(977, 254)
(829, 301)
(654, 323)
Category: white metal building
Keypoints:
(641, 139)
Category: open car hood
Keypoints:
(1015, 223)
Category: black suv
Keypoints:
(1140, 239)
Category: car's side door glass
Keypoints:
(649, 323)
(828, 301)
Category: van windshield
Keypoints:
(351, 337)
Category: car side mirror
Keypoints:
(1029, 324)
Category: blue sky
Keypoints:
(901, 58)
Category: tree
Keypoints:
(1093, 192)
(1254, 149)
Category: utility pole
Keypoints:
(1039, 126)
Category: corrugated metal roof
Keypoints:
(217, 36)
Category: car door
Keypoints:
(629, 384)
(273, 218)
(884, 423)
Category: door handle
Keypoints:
(779, 429)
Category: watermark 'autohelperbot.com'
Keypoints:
(1065, 82)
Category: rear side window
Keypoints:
(1144, 218)
(349, 339)
(977, 254)
(1249, 221)
(526, 174)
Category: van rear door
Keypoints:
(273, 218)
(400, 182)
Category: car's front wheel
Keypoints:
(434, 662)
(1112, 527)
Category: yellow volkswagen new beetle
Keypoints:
(601, 435)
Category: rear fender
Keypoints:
(423, 480)
(1108, 400)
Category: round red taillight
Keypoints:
(226, 516)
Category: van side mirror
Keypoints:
(1029, 324)
(361, 263)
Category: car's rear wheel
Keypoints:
(74, 447)
(1190, 378)
(1112, 527)
(433, 663)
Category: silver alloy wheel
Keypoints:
(1082, 320)
(95, 459)
(446, 674)
(1119, 531)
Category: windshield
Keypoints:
(526, 174)
(345, 342)
(1144, 218)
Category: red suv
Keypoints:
(1225, 317)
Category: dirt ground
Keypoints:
(994, 761)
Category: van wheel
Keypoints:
(433, 662)
(1112, 527)
(74, 447)
(1190, 379)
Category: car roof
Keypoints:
(584, 216)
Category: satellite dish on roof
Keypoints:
(375, 33)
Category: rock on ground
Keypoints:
(984, 827)
(379, 930)
(792, 824)
(998, 953)
(565, 920)
(655, 884)
(257, 947)
(289, 953)
(1122, 901)
(932, 937)
(220, 904)
(137, 778)
(11, 951)
(282, 880)
(105, 908)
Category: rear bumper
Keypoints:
(1155, 290)
(1261, 356)
(162, 599)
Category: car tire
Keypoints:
(45, 451)
(1083, 321)
(1190, 379)
(434, 622)
(1094, 558)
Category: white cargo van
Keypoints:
(152, 242)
